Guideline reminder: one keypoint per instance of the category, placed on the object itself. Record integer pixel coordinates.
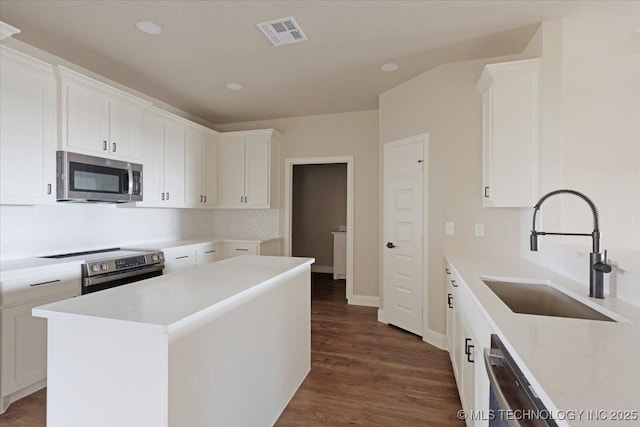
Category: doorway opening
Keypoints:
(318, 211)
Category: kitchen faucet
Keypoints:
(597, 262)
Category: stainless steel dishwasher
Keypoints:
(512, 400)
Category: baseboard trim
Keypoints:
(364, 300)
(434, 338)
(381, 317)
(321, 269)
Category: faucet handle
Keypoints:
(603, 266)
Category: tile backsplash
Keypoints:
(246, 222)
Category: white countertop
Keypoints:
(170, 244)
(166, 303)
(579, 364)
(15, 268)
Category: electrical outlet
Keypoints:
(480, 229)
(449, 228)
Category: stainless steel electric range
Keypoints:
(108, 268)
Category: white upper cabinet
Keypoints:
(97, 119)
(27, 130)
(510, 133)
(249, 165)
(200, 162)
(163, 160)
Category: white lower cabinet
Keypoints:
(232, 249)
(23, 338)
(179, 259)
(468, 334)
(24, 346)
(209, 252)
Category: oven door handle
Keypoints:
(91, 281)
(492, 358)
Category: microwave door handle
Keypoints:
(130, 173)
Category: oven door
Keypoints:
(512, 401)
(111, 280)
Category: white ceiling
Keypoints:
(207, 44)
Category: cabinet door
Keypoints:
(24, 346)
(152, 158)
(174, 163)
(257, 169)
(451, 317)
(86, 121)
(510, 133)
(468, 367)
(194, 153)
(27, 135)
(124, 124)
(209, 171)
(231, 164)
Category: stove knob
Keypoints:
(104, 266)
(95, 268)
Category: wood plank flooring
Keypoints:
(367, 373)
(362, 373)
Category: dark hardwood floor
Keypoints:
(362, 373)
(367, 373)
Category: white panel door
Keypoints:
(231, 164)
(257, 158)
(403, 218)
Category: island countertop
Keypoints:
(165, 303)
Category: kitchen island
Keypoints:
(224, 344)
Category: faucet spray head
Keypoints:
(533, 240)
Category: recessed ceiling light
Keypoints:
(149, 27)
(389, 66)
(234, 86)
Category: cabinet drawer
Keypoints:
(179, 258)
(208, 253)
(237, 249)
(39, 286)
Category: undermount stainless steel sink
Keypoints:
(543, 300)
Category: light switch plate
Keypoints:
(449, 229)
(480, 229)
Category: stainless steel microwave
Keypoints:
(83, 178)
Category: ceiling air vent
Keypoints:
(282, 31)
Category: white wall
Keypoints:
(591, 143)
(345, 134)
(27, 231)
(445, 103)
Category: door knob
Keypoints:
(390, 245)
